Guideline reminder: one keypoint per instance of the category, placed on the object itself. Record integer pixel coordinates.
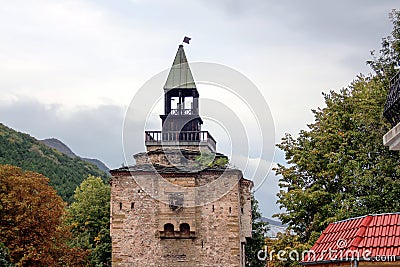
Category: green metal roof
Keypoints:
(180, 75)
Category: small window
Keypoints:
(120, 205)
(132, 205)
(230, 210)
(169, 230)
(241, 209)
(184, 228)
(213, 208)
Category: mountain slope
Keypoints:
(26, 152)
(63, 148)
(98, 163)
(60, 146)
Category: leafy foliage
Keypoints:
(5, 260)
(286, 250)
(26, 152)
(339, 168)
(31, 214)
(389, 55)
(210, 160)
(257, 242)
(89, 218)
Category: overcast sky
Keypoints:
(69, 69)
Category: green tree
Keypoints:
(339, 168)
(65, 173)
(257, 242)
(388, 59)
(89, 218)
(286, 250)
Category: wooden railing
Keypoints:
(182, 112)
(184, 136)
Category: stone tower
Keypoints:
(180, 204)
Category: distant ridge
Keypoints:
(63, 148)
(60, 146)
(65, 172)
(274, 227)
(99, 164)
(273, 222)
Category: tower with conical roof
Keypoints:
(180, 204)
(181, 122)
(180, 90)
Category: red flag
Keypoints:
(186, 39)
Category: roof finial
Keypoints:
(186, 40)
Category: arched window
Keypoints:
(169, 230)
(184, 228)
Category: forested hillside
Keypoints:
(26, 152)
(63, 148)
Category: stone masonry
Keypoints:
(217, 230)
(171, 209)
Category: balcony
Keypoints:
(182, 112)
(176, 138)
(392, 107)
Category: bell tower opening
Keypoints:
(181, 121)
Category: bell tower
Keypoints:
(181, 98)
(181, 121)
(170, 209)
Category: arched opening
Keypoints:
(169, 230)
(184, 228)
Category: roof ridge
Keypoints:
(359, 235)
(363, 216)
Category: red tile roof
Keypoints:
(364, 237)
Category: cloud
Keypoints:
(89, 132)
(96, 132)
(308, 21)
(266, 195)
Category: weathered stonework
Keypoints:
(179, 207)
(217, 230)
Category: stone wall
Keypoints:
(217, 232)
